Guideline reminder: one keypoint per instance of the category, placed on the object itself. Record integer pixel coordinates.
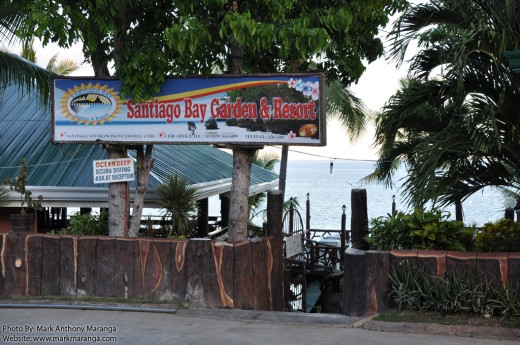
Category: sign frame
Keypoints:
(91, 110)
(113, 170)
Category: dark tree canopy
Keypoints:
(145, 41)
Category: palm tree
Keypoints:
(256, 201)
(344, 105)
(62, 67)
(455, 123)
(13, 68)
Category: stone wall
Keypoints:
(200, 272)
(367, 285)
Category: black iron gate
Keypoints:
(294, 267)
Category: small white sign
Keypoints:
(113, 170)
(293, 245)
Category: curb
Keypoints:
(337, 320)
(81, 306)
(482, 332)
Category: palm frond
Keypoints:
(350, 110)
(28, 75)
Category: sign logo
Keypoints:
(90, 104)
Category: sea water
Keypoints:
(330, 190)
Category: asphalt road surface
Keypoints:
(58, 326)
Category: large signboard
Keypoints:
(286, 109)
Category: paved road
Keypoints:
(203, 326)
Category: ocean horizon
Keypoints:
(329, 191)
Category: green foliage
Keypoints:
(501, 236)
(455, 122)
(390, 232)
(87, 224)
(19, 185)
(160, 230)
(180, 203)
(281, 36)
(419, 230)
(414, 288)
(255, 202)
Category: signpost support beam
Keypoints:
(240, 181)
(117, 205)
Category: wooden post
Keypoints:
(282, 178)
(291, 218)
(308, 218)
(274, 229)
(224, 211)
(343, 232)
(359, 220)
(203, 227)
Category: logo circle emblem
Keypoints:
(91, 104)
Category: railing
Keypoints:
(151, 223)
(323, 248)
(326, 253)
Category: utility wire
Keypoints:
(327, 157)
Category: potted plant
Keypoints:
(23, 221)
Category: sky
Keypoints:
(377, 84)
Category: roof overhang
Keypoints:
(98, 196)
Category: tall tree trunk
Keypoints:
(238, 211)
(242, 158)
(118, 191)
(117, 198)
(144, 166)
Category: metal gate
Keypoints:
(294, 267)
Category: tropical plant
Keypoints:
(61, 67)
(500, 236)
(19, 185)
(419, 230)
(87, 224)
(455, 122)
(179, 200)
(257, 201)
(414, 288)
(390, 232)
(13, 68)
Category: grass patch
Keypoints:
(395, 315)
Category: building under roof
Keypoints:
(63, 173)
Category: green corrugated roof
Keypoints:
(25, 131)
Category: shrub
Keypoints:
(179, 200)
(390, 232)
(87, 224)
(419, 230)
(501, 236)
(414, 288)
